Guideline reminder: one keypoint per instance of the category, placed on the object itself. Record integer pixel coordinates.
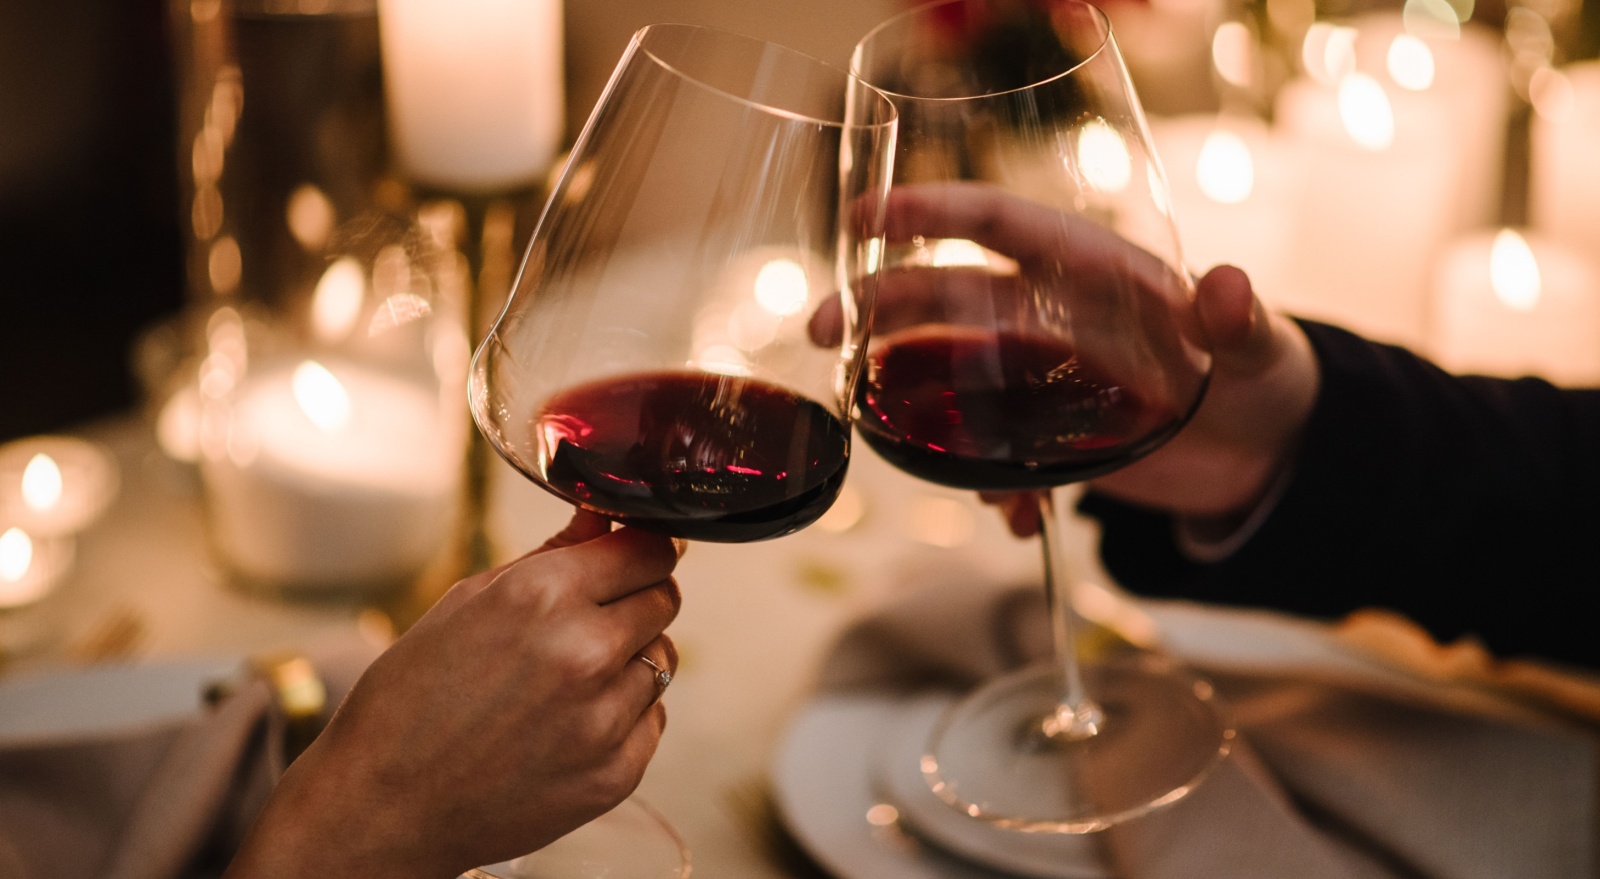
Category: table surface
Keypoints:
(756, 622)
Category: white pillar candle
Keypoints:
(1166, 45)
(1461, 71)
(1513, 304)
(54, 486)
(333, 477)
(1564, 192)
(474, 88)
(1375, 204)
(1232, 186)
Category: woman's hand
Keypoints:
(509, 715)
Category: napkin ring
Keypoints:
(297, 690)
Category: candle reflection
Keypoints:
(1103, 157)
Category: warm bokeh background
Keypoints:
(90, 245)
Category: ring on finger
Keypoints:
(663, 675)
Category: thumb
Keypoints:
(1235, 321)
(583, 526)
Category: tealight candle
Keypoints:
(55, 486)
(1564, 187)
(334, 477)
(30, 567)
(474, 89)
(1510, 303)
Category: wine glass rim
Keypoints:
(886, 117)
(855, 56)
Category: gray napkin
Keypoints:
(1337, 773)
(158, 801)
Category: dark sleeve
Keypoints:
(1469, 504)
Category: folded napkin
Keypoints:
(159, 800)
(1349, 763)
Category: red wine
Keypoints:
(1001, 411)
(708, 457)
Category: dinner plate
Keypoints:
(75, 703)
(849, 788)
(848, 785)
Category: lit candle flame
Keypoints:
(336, 304)
(16, 554)
(41, 483)
(1513, 271)
(1329, 52)
(1365, 110)
(321, 396)
(1410, 63)
(1225, 170)
(781, 287)
(1104, 157)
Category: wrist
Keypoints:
(1213, 538)
(316, 825)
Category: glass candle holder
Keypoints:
(331, 448)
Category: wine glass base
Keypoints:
(631, 841)
(1164, 732)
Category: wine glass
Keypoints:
(653, 363)
(1034, 327)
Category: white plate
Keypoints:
(79, 703)
(848, 786)
(838, 758)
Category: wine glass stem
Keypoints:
(1077, 716)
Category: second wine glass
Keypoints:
(1035, 327)
(653, 363)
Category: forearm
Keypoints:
(317, 824)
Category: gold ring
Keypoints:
(663, 676)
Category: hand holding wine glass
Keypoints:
(507, 716)
(652, 365)
(1263, 379)
(1035, 327)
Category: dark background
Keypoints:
(90, 250)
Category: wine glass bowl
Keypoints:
(653, 363)
(1035, 327)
